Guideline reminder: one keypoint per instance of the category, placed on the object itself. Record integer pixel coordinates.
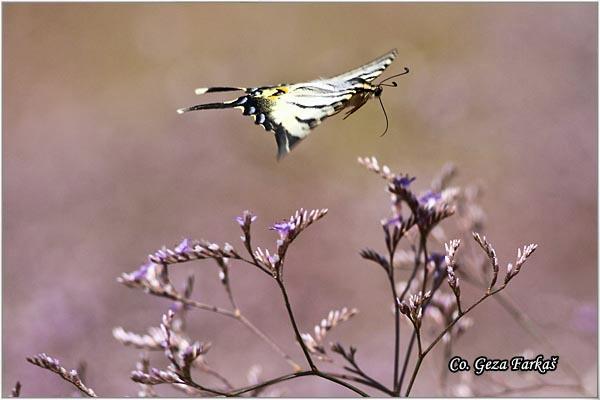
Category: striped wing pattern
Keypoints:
(291, 111)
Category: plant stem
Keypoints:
(269, 383)
(238, 316)
(367, 382)
(366, 378)
(392, 251)
(413, 273)
(340, 382)
(294, 325)
(425, 262)
(271, 343)
(414, 375)
(398, 385)
(292, 376)
(413, 337)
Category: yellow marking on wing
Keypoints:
(267, 93)
(275, 92)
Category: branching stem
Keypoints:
(423, 353)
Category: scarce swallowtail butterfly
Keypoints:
(291, 111)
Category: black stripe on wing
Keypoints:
(336, 105)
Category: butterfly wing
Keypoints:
(369, 71)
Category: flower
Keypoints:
(430, 198)
(404, 181)
(246, 218)
(283, 228)
(183, 247)
(146, 276)
(141, 273)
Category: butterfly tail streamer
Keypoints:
(210, 106)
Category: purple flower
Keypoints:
(274, 259)
(183, 247)
(141, 272)
(404, 181)
(246, 218)
(430, 198)
(283, 228)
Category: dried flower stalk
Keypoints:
(42, 360)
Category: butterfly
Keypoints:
(291, 111)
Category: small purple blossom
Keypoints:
(283, 228)
(141, 272)
(183, 247)
(245, 219)
(404, 181)
(430, 198)
(274, 259)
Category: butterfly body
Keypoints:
(291, 111)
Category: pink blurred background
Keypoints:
(99, 171)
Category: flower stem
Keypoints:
(296, 375)
(294, 325)
(397, 318)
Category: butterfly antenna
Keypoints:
(406, 71)
(386, 117)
